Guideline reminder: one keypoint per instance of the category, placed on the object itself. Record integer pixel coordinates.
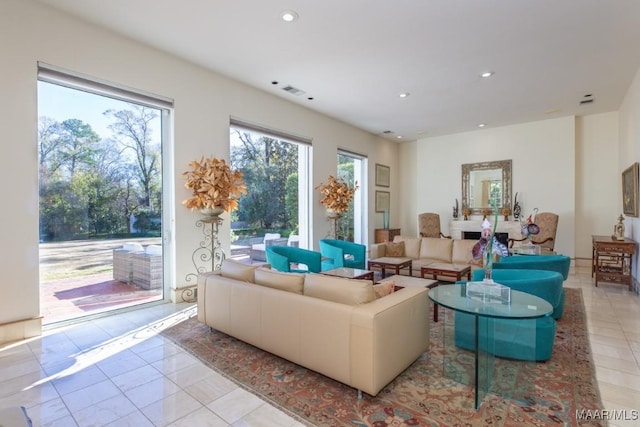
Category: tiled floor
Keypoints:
(118, 371)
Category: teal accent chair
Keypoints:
(512, 338)
(558, 263)
(340, 253)
(281, 258)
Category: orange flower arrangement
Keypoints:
(336, 194)
(213, 184)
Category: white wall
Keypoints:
(629, 152)
(204, 101)
(543, 171)
(598, 181)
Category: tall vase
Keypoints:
(487, 265)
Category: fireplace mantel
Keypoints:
(458, 226)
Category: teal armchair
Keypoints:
(558, 263)
(512, 338)
(281, 258)
(340, 253)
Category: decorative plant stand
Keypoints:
(209, 254)
(333, 217)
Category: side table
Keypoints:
(383, 235)
(612, 260)
(394, 263)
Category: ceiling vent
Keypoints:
(586, 101)
(387, 131)
(293, 90)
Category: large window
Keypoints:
(352, 226)
(276, 208)
(101, 195)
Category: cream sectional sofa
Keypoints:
(429, 250)
(331, 325)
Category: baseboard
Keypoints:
(185, 294)
(20, 329)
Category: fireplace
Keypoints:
(475, 235)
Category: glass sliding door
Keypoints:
(101, 197)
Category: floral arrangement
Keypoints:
(529, 227)
(336, 194)
(213, 184)
(488, 246)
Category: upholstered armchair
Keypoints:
(558, 263)
(429, 225)
(512, 338)
(340, 253)
(281, 258)
(548, 223)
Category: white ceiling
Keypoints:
(354, 57)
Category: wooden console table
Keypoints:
(612, 260)
(383, 235)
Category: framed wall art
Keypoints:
(383, 175)
(630, 190)
(382, 201)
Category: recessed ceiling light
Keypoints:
(487, 74)
(289, 15)
(399, 136)
(404, 94)
(481, 125)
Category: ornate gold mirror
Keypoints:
(484, 181)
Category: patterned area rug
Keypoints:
(551, 392)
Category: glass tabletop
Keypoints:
(522, 305)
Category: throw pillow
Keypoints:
(395, 249)
(384, 289)
(338, 289)
(238, 270)
(411, 246)
(290, 282)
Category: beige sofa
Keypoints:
(428, 250)
(331, 325)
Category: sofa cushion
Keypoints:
(290, 282)
(384, 289)
(462, 251)
(436, 248)
(395, 249)
(338, 289)
(238, 270)
(411, 246)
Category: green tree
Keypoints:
(266, 164)
(345, 223)
(133, 130)
(291, 201)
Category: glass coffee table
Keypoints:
(522, 306)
